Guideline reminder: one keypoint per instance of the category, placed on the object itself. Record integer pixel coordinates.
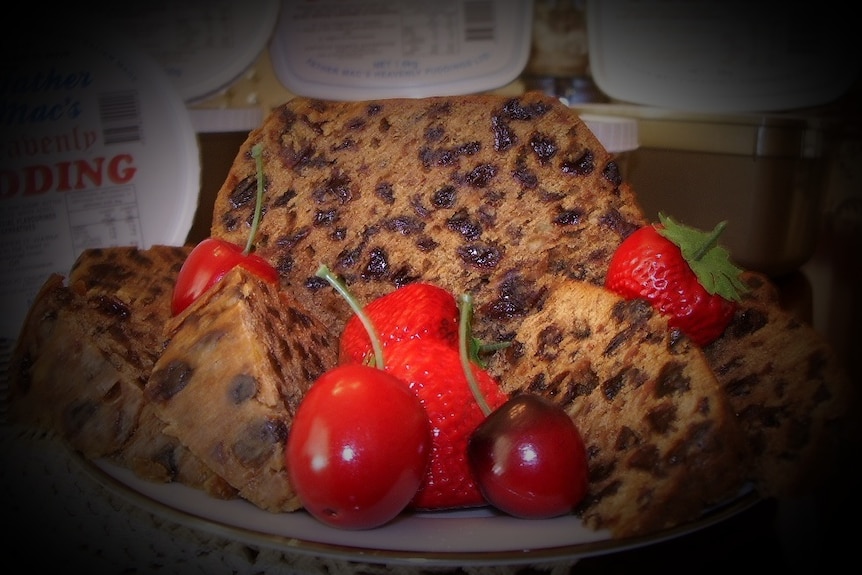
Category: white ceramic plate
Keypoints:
(474, 537)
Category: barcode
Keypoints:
(120, 113)
(479, 21)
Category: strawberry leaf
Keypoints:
(709, 261)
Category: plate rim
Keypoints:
(97, 471)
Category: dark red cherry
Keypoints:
(528, 458)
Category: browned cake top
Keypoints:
(478, 193)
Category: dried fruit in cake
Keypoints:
(480, 194)
(69, 373)
(793, 398)
(87, 349)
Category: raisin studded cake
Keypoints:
(238, 362)
(792, 396)
(85, 352)
(62, 380)
(510, 199)
(661, 439)
(479, 194)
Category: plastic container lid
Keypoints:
(617, 134)
(202, 46)
(750, 134)
(721, 57)
(355, 51)
(98, 151)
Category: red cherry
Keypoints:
(358, 447)
(529, 459)
(208, 263)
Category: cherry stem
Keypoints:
(256, 153)
(465, 305)
(324, 272)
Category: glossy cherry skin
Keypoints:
(207, 264)
(529, 459)
(358, 447)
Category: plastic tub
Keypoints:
(722, 57)
(765, 174)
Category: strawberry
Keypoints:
(683, 273)
(414, 311)
(432, 368)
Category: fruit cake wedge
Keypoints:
(237, 364)
(792, 395)
(65, 375)
(476, 193)
(85, 351)
(662, 441)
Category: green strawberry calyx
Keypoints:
(709, 261)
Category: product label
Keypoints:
(389, 46)
(67, 176)
(79, 166)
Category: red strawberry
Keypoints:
(683, 273)
(417, 310)
(432, 369)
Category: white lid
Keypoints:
(617, 134)
(98, 151)
(202, 46)
(339, 50)
(722, 57)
